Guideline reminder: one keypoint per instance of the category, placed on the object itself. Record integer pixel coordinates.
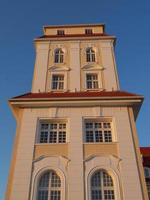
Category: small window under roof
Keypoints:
(88, 31)
(60, 32)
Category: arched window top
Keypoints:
(90, 54)
(59, 56)
(49, 186)
(102, 187)
(147, 172)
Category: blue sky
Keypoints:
(22, 21)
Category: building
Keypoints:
(145, 151)
(76, 133)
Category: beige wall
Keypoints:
(75, 64)
(74, 152)
(100, 149)
(50, 150)
(72, 30)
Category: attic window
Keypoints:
(88, 31)
(60, 32)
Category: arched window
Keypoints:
(59, 56)
(147, 172)
(102, 187)
(90, 55)
(49, 187)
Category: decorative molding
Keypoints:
(61, 67)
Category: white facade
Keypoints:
(64, 146)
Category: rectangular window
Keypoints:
(98, 131)
(57, 82)
(148, 189)
(92, 81)
(51, 132)
(60, 32)
(88, 31)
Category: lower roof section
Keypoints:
(84, 94)
(78, 99)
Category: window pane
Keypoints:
(53, 137)
(107, 136)
(62, 137)
(98, 136)
(55, 180)
(43, 137)
(43, 195)
(89, 136)
(55, 195)
(44, 126)
(89, 125)
(109, 194)
(107, 180)
(96, 180)
(96, 195)
(44, 181)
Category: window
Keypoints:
(88, 31)
(57, 82)
(52, 132)
(91, 81)
(90, 55)
(49, 187)
(59, 56)
(102, 186)
(60, 32)
(147, 172)
(96, 131)
(148, 189)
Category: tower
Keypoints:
(76, 134)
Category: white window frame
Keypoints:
(100, 120)
(60, 54)
(50, 77)
(91, 53)
(54, 121)
(85, 73)
(40, 169)
(92, 81)
(50, 188)
(103, 187)
(58, 82)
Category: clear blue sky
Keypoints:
(22, 21)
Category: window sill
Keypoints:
(45, 144)
(100, 143)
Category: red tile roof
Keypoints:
(145, 151)
(84, 94)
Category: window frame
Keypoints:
(88, 31)
(50, 187)
(101, 171)
(58, 82)
(99, 120)
(60, 32)
(90, 55)
(49, 121)
(59, 56)
(92, 81)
